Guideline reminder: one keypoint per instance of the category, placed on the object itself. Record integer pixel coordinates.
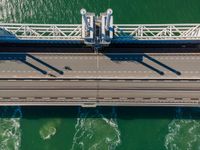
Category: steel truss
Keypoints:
(121, 31)
(157, 31)
(44, 31)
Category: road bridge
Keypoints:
(79, 64)
(100, 65)
(96, 79)
(98, 32)
(92, 93)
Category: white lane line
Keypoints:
(43, 80)
(59, 80)
(12, 80)
(103, 71)
(97, 61)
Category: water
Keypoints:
(10, 131)
(129, 128)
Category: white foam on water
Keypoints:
(6, 11)
(183, 133)
(96, 132)
(2, 9)
(44, 11)
(48, 130)
(47, 133)
(10, 132)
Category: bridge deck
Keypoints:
(109, 79)
(100, 92)
(99, 66)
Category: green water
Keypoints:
(129, 128)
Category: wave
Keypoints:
(95, 131)
(30, 11)
(184, 132)
(10, 132)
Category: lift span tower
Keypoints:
(99, 63)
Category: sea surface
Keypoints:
(103, 128)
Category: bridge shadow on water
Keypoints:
(139, 58)
(123, 113)
(24, 58)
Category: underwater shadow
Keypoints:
(122, 113)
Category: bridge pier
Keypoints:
(97, 31)
(88, 27)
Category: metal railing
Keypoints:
(157, 31)
(44, 31)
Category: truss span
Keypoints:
(157, 31)
(43, 31)
(121, 31)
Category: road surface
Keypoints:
(100, 66)
(92, 93)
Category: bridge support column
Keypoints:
(106, 27)
(97, 31)
(87, 27)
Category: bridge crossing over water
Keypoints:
(100, 30)
(156, 78)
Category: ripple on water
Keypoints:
(94, 131)
(10, 133)
(184, 134)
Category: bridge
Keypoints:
(116, 64)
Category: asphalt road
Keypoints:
(109, 79)
(91, 93)
(107, 65)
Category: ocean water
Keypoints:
(103, 128)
